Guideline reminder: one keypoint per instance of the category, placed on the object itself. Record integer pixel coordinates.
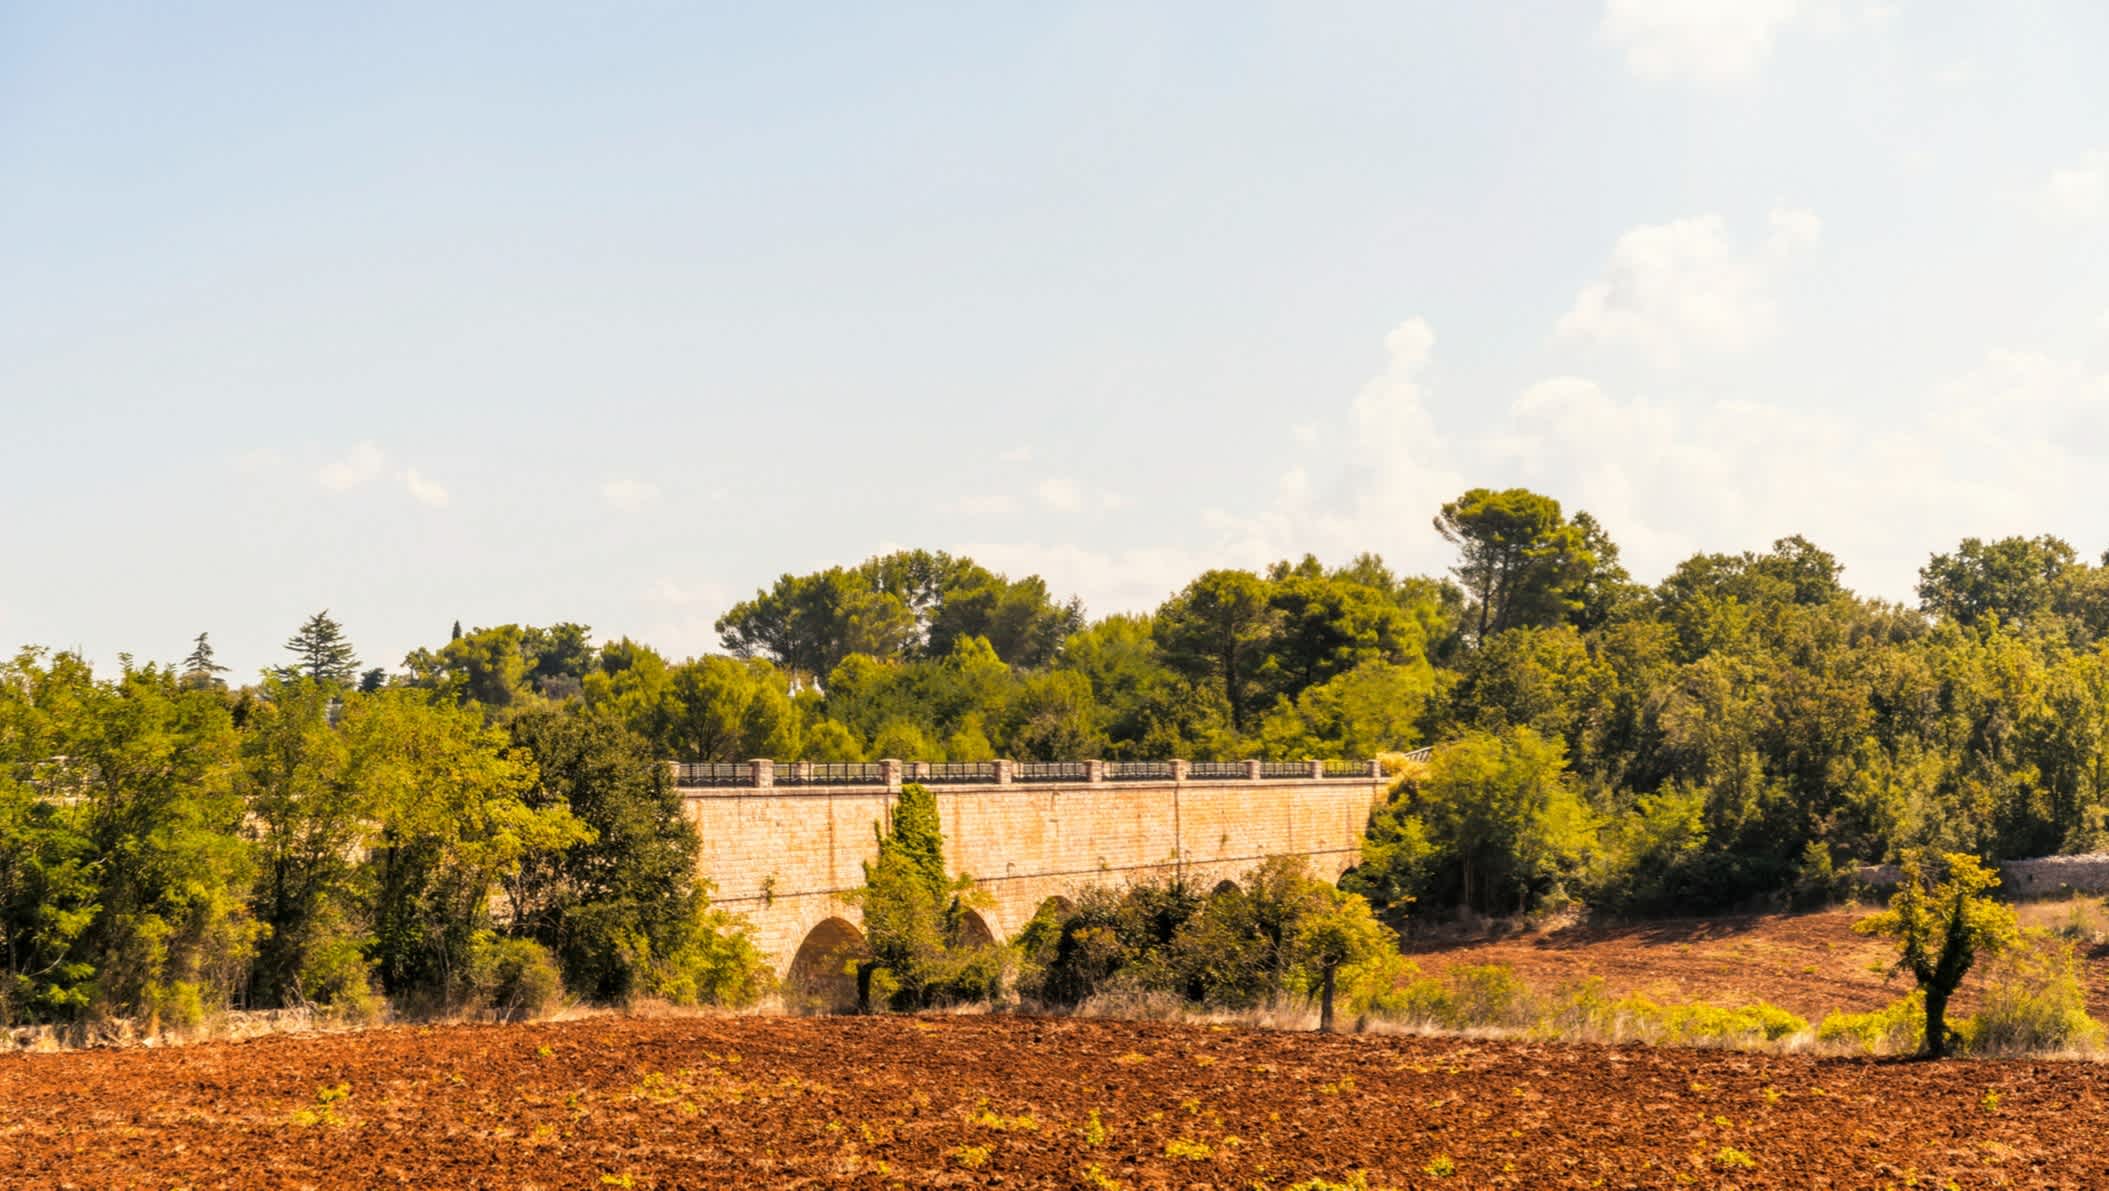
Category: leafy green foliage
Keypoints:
(2033, 1002)
(321, 652)
(915, 918)
(1282, 933)
(1495, 823)
(1524, 564)
(1942, 920)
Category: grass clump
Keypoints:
(1731, 1158)
(1096, 1179)
(2034, 1002)
(988, 1118)
(1356, 1180)
(1897, 1028)
(324, 1111)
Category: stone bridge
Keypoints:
(785, 844)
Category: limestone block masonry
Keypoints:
(787, 856)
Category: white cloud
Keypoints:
(995, 504)
(423, 490)
(1294, 487)
(1061, 495)
(1016, 455)
(1674, 288)
(1793, 228)
(1401, 467)
(629, 495)
(259, 461)
(2077, 191)
(673, 593)
(1107, 580)
(1109, 500)
(360, 464)
(1305, 434)
(1712, 42)
(1986, 453)
(1957, 74)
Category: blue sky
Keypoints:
(526, 313)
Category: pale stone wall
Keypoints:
(786, 857)
(2040, 877)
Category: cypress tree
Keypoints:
(322, 652)
(199, 669)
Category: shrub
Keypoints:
(336, 977)
(1897, 1028)
(1706, 1025)
(1461, 998)
(515, 979)
(717, 963)
(2034, 1002)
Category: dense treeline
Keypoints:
(169, 848)
(491, 816)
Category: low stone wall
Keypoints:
(2043, 876)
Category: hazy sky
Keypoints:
(522, 313)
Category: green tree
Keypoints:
(621, 907)
(2014, 579)
(448, 797)
(1942, 919)
(1503, 820)
(1523, 562)
(152, 765)
(1219, 630)
(914, 916)
(310, 816)
(1053, 718)
(199, 669)
(1335, 931)
(47, 861)
(321, 652)
(724, 709)
(1375, 707)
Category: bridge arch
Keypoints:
(1226, 885)
(821, 978)
(974, 930)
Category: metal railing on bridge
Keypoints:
(763, 774)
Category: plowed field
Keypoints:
(1009, 1101)
(1808, 963)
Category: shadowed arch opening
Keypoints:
(1226, 885)
(822, 978)
(973, 930)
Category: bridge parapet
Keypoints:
(889, 774)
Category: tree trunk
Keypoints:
(1936, 1025)
(864, 971)
(1325, 999)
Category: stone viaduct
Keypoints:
(785, 844)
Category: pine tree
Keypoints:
(199, 669)
(324, 655)
(457, 632)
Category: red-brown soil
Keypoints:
(882, 1102)
(1810, 964)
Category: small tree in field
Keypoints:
(1941, 927)
(1337, 930)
